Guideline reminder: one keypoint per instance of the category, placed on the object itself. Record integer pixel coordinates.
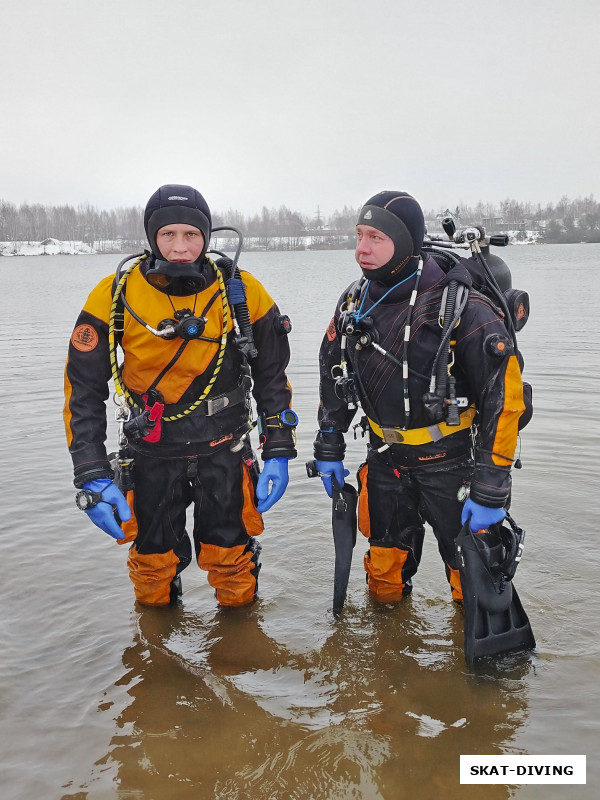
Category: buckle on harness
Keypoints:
(419, 436)
(392, 436)
(217, 404)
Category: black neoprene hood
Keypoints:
(177, 204)
(399, 216)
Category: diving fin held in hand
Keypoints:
(495, 621)
(344, 525)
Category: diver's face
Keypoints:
(179, 242)
(373, 247)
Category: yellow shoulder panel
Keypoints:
(100, 299)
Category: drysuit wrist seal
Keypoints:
(92, 475)
(329, 446)
(279, 451)
(488, 499)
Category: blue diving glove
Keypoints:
(102, 515)
(272, 483)
(480, 517)
(331, 467)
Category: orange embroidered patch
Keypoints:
(433, 457)
(331, 332)
(84, 338)
(227, 438)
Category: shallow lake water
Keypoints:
(102, 699)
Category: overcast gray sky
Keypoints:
(299, 102)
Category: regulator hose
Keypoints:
(236, 294)
(441, 379)
(237, 298)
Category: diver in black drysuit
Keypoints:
(417, 469)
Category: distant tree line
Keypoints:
(36, 223)
(567, 221)
(122, 228)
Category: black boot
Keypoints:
(176, 590)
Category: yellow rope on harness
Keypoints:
(120, 387)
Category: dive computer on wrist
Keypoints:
(288, 418)
(85, 499)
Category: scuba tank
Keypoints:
(488, 274)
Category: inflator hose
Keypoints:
(441, 378)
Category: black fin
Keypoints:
(495, 621)
(344, 524)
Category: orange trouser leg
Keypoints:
(151, 576)
(454, 581)
(383, 566)
(232, 571)
(129, 528)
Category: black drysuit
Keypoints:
(406, 484)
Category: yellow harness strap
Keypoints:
(432, 433)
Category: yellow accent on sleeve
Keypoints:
(505, 441)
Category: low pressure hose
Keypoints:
(237, 298)
(441, 380)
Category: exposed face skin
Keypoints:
(179, 242)
(373, 247)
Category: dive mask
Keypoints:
(176, 277)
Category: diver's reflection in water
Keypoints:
(187, 728)
(404, 667)
(220, 710)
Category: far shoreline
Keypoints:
(54, 247)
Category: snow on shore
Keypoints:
(53, 247)
(49, 247)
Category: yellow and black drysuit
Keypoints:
(417, 478)
(192, 461)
